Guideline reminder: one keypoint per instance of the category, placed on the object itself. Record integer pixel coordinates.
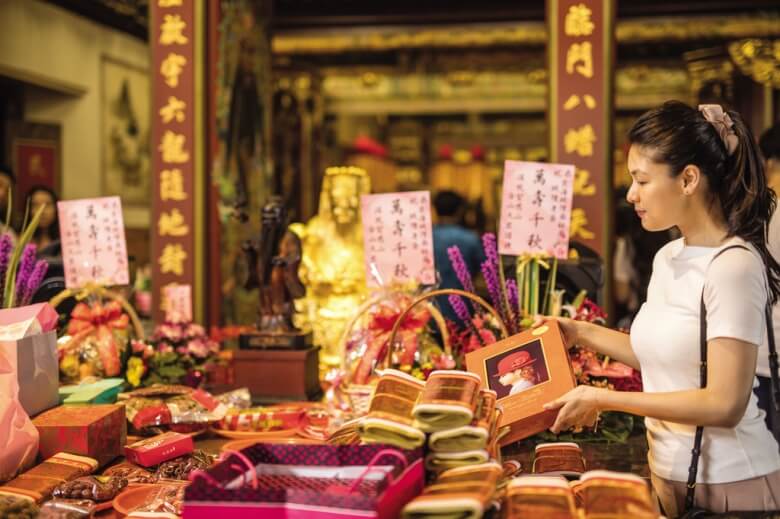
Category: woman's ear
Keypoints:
(690, 179)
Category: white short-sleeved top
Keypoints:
(665, 339)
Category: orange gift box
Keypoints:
(97, 431)
(526, 371)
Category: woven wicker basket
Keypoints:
(101, 292)
(360, 394)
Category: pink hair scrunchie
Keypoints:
(723, 124)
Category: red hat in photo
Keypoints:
(516, 360)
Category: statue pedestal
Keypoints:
(278, 375)
(287, 341)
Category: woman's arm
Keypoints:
(731, 367)
(601, 339)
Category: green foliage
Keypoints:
(613, 426)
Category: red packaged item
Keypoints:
(178, 408)
(163, 447)
(97, 431)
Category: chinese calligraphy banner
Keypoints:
(581, 103)
(92, 235)
(173, 38)
(178, 303)
(398, 237)
(535, 209)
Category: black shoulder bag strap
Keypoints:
(696, 451)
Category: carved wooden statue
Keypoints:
(273, 268)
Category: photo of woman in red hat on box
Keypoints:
(517, 370)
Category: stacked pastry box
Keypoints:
(457, 419)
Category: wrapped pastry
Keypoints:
(39, 482)
(180, 468)
(540, 496)
(558, 459)
(67, 509)
(132, 473)
(612, 494)
(167, 501)
(465, 493)
(236, 399)
(389, 419)
(439, 461)
(94, 488)
(474, 436)
(15, 507)
(449, 400)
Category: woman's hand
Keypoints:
(577, 409)
(569, 327)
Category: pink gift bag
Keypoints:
(18, 436)
(279, 481)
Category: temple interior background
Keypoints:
(410, 90)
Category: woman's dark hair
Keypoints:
(53, 232)
(679, 135)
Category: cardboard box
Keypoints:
(526, 370)
(97, 431)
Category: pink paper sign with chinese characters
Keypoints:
(178, 303)
(397, 237)
(536, 208)
(92, 233)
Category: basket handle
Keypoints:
(442, 325)
(371, 303)
(97, 290)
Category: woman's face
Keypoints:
(508, 379)
(656, 195)
(39, 199)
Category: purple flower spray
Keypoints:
(26, 267)
(6, 248)
(461, 270)
(34, 281)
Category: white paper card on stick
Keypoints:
(536, 208)
(92, 233)
(398, 237)
(178, 303)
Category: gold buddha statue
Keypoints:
(332, 267)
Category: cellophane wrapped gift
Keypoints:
(160, 408)
(369, 344)
(311, 481)
(98, 337)
(97, 431)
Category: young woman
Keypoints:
(47, 234)
(698, 170)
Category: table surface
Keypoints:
(630, 456)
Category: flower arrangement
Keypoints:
(178, 353)
(20, 273)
